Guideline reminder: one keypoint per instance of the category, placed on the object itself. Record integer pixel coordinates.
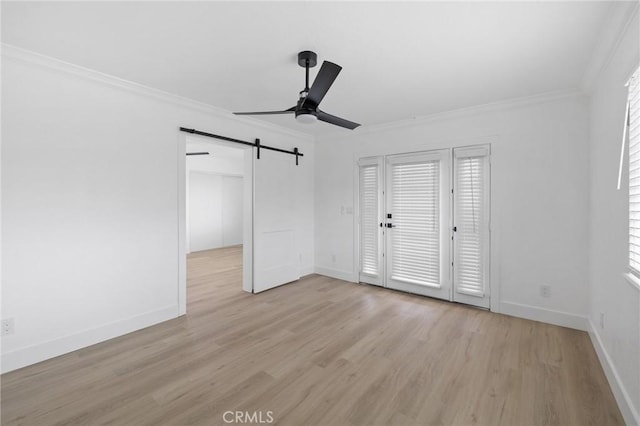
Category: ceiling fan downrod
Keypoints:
(307, 59)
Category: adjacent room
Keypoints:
(320, 213)
(214, 198)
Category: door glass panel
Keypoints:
(415, 240)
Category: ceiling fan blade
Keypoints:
(287, 111)
(332, 119)
(325, 78)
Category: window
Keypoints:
(633, 132)
(471, 199)
(369, 202)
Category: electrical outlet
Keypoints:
(602, 320)
(7, 326)
(545, 290)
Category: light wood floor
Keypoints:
(319, 352)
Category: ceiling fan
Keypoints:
(306, 110)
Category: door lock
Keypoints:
(389, 225)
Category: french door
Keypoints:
(416, 223)
(424, 223)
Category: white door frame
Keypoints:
(247, 229)
(494, 143)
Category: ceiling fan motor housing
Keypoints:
(301, 111)
(305, 115)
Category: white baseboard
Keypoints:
(306, 270)
(629, 412)
(336, 273)
(42, 351)
(564, 319)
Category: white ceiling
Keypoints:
(400, 60)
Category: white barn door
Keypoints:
(276, 258)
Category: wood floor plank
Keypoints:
(318, 352)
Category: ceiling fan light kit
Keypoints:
(306, 118)
(306, 110)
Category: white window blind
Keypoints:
(415, 240)
(634, 172)
(470, 211)
(369, 221)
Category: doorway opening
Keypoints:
(216, 191)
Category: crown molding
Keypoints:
(33, 58)
(458, 113)
(615, 28)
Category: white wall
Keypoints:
(215, 210)
(215, 162)
(618, 342)
(90, 203)
(205, 211)
(232, 207)
(214, 196)
(539, 198)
